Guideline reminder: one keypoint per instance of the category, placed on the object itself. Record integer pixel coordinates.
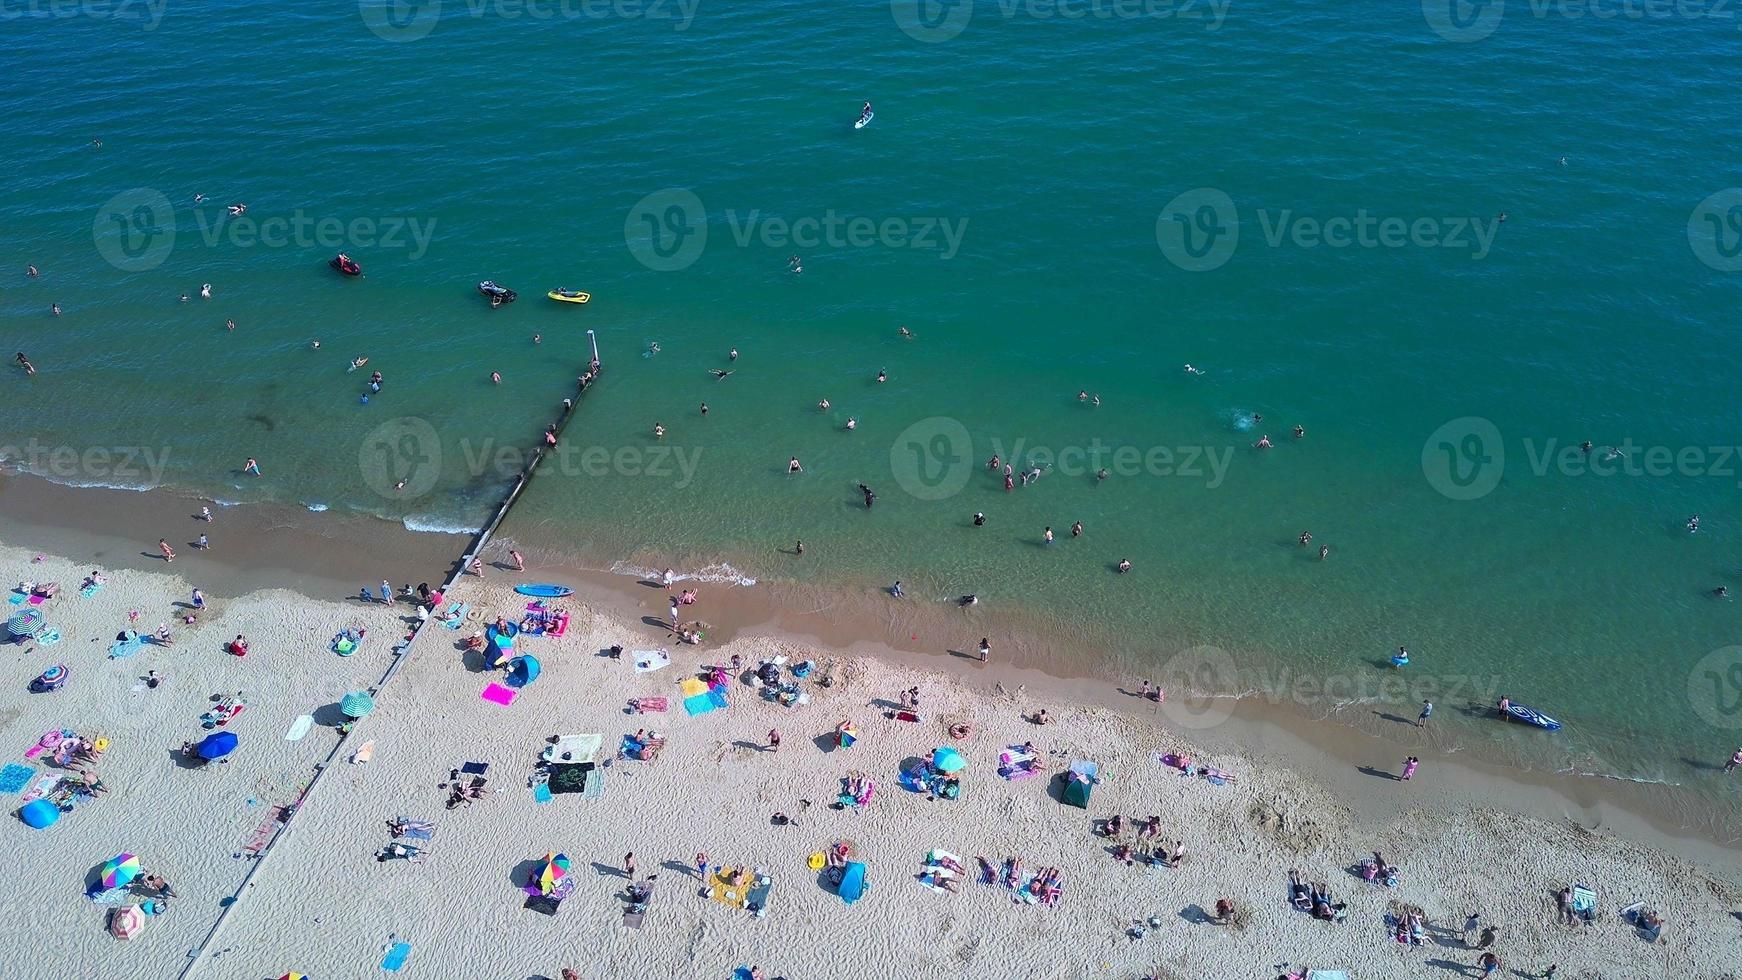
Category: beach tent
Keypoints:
(39, 814)
(357, 704)
(947, 759)
(523, 670)
(852, 882)
(1079, 783)
(216, 745)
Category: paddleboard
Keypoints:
(865, 120)
(299, 728)
(544, 591)
(1531, 716)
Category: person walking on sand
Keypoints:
(1409, 767)
(629, 865)
(386, 593)
(477, 567)
(1489, 964)
(985, 650)
(199, 601)
(1487, 939)
(168, 552)
(1473, 921)
(206, 514)
(202, 544)
(774, 740)
(668, 577)
(702, 865)
(519, 562)
(1427, 709)
(1735, 760)
(674, 614)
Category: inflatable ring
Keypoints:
(960, 731)
(816, 861)
(101, 744)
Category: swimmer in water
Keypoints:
(1124, 565)
(1077, 529)
(979, 519)
(852, 423)
(237, 209)
(205, 290)
(823, 405)
(1324, 551)
(652, 349)
(538, 338)
(314, 345)
(252, 466)
(54, 308)
(495, 377)
(732, 355)
(184, 297)
(24, 362)
(1299, 432)
(1082, 394)
(1262, 443)
(793, 467)
(992, 464)
(1722, 592)
(719, 375)
(1193, 370)
(1095, 400)
(658, 431)
(794, 265)
(704, 409)
(1585, 447)
(229, 324)
(1256, 417)
(1501, 217)
(357, 362)
(1694, 524)
(906, 334)
(1305, 536)
(882, 375)
(870, 496)
(1101, 475)
(31, 272)
(199, 198)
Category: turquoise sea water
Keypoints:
(1020, 200)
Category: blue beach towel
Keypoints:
(16, 599)
(15, 777)
(595, 787)
(396, 957)
(125, 648)
(699, 704)
(49, 638)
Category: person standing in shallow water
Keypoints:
(985, 649)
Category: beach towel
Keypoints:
(396, 957)
(416, 829)
(1584, 901)
(48, 637)
(456, 617)
(648, 705)
(125, 648)
(595, 787)
(15, 777)
(699, 704)
(263, 834)
(689, 687)
(1327, 975)
(574, 748)
(497, 694)
(91, 590)
(757, 897)
(721, 890)
(541, 793)
(16, 599)
(647, 661)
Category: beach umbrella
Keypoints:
(51, 679)
(946, 759)
(25, 625)
(119, 870)
(357, 704)
(126, 922)
(294, 976)
(39, 813)
(552, 870)
(216, 746)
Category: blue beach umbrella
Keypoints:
(216, 746)
(946, 759)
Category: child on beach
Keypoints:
(168, 552)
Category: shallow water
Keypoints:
(1014, 181)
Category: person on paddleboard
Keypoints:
(865, 113)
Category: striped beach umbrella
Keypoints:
(119, 870)
(127, 922)
(553, 869)
(294, 976)
(25, 625)
(357, 704)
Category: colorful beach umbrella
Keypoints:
(357, 704)
(553, 869)
(127, 922)
(294, 976)
(946, 759)
(119, 870)
(216, 745)
(25, 625)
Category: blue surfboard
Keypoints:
(544, 591)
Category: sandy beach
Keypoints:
(321, 903)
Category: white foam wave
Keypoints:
(317, 508)
(431, 524)
(719, 572)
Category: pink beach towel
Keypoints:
(498, 694)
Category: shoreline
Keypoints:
(329, 556)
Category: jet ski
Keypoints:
(569, 296)
(1531, 716)
(499, 295)
(345, 264)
